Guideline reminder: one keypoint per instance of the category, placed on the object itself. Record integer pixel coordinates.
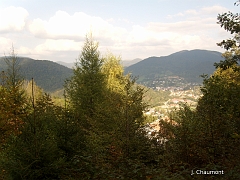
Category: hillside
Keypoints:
(47, 74)
(186, 64)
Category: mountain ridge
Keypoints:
(47, 74)
(188, 64)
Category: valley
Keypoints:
(173, 99)
(170, 83)
(168, 80)
(107, 90)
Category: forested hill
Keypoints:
(47, 74)
(186, 64)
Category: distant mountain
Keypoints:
(130, 62)
(69, 65)
(47, 74)
(186, 64)
(125, 63)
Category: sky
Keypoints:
(56, 29)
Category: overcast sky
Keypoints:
(56, 29)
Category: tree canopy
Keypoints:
(230, 22)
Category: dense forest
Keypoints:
(99, 132)
(49, 75)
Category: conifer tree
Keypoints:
(85, 91)
(13, 104)
(85, 88)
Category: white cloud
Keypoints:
(197, 29)
(5, 45)
(12, 19)
(175, 15)
(58, 45)
(68, 29)
(64, 26)
(24, 51)
(64, 34)
(191, 12)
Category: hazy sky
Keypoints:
(56, 29)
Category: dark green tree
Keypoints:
(219, 111)
(86, 94)
(127, 148)
(85, 88)
(34, 153)
(230, 22)
(13, 103)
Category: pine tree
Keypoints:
(13, 104)
(85, 88)
(85, 92)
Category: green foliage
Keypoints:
(98, 131)
(113, 71)
(155, 98)
(149, 119)
(85, 88)
(109, 107)
(231, 23)
(31, 154)
(207, 138)
(13, 103)
(219, 107)
(132, 115)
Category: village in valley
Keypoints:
(180, 93)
